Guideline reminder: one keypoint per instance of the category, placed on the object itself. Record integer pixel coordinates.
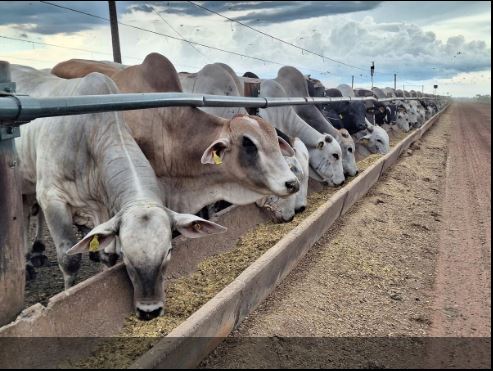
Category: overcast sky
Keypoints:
(425, 43)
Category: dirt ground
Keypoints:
(410, 261)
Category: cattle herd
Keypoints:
(128, 181)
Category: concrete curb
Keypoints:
(194, 339)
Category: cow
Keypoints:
(88, 170)
(220, 79)
(325, 154)
(200, 158)
(371, 105)
(349, 115)
(284, 209)
(215, 79)
(374, 140)
(324, 167)
(295, 85)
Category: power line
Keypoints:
(171, 37)
(164, 20)
(70, 48)
(278, 39)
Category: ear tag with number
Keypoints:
(216, 158)
(94, 245)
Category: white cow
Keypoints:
(284, 209)
(324, 151)
(374, 140)
(88, 170)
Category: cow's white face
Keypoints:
(284, 209)
(402, 120)
(142, 235)
(326, 161)
(376, 140)
(348, 150)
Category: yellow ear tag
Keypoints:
(94, 245)
(216, 158)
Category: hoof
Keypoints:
(39, 260)
(30, 272)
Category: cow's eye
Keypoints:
(350, 150)
(379, 141)
(336, 156)
(249, 146)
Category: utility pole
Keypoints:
(395, 81)
(352, 81)
(115, 38)
(372, 71)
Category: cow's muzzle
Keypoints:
(293, 186)
(146, 312)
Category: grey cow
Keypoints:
(88, 170)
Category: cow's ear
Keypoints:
(215, 152)
(192, 226)
(102, 237)
(286, 149)
(365, 139)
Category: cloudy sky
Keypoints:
(425, 43)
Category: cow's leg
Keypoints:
(38, 259)
(59, 221)
(26, 204)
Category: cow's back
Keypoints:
(59, 145)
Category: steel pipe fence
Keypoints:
(20, 109)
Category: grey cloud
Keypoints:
(263, 12)
(46, 19)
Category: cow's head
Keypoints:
(284, 209)
(348, 153)
(326, 161)
(354, 116)
(376, 140)
(250, 151)
(142, 234)
(402, 119)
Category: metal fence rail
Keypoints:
(20, 109)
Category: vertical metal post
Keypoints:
(395, 81)
(115, 38)
(372, 71)
(352, 81)
(12, 255)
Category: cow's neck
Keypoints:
(286, 120)
(189, 195)
(125, 174)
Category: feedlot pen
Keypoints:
(411, 259)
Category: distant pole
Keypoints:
(352, 81)
(12, 258)
(422, 88)
(395, 81)
(115, 38)
(372, 71)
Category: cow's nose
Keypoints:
(300, 209)
(145, 315)
(293, 186)
(341, 183)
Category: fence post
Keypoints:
(12, 256)
(115, 37)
